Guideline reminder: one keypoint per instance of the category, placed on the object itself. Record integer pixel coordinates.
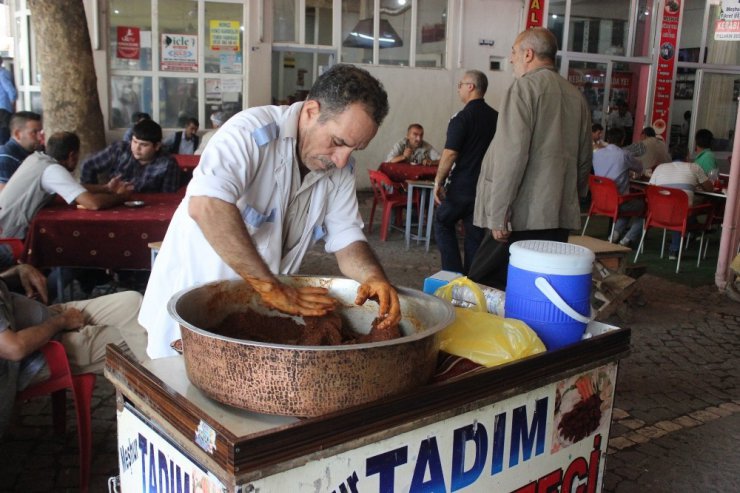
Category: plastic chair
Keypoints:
(16, 247)
(82, 385)
(390, 194)
(605, 201)
(668, 208)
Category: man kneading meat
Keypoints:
(273, 181)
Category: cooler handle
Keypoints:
(552, 295)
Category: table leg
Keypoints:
(420, 223)
(409, 205)
(430, 217)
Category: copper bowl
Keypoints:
(296, 380)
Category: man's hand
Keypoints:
(439, 193)
(501, 235)
(33, 282)
(407, 152)
(72, 319)
(304, 301)
(120, 187)
(386, 296)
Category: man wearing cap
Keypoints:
(217, 119)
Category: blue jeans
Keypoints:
(635, 224)
(449, 212)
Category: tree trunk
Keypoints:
(69, 91)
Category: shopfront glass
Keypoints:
(431, 33)
(717, 109)
(130, 35)
(590, 79)
(129, 94)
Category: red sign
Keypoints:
(128, 43)
(534, 13)
(666, 69)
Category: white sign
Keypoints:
(729, 10)
(179, 53)
(550, 439)
(148, 462)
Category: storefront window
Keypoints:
(129, 94)
(722, 52)
(691, 28)
(224, 55)
(318, 24)
(643, 28)
(284, 21)
(556, 19)
(357, 31)
(178, 101)
(590, 79)
(431, 33)
(130, 35)
(594, 29)
(718, 108)
(395, 33)
(293, 74)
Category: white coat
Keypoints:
(249, 163)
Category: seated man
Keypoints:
(41, 176)
(615, 163)
(140, 162)
(650, 150)
(683, 175)
(413, 148)
(25, 138)
(704, 155)
(185, 141)
(597, 131)
(83, 327)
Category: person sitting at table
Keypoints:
(597, 132)
(682, 175)
(142, 162)
(615, 163)
(704, 155)
(83, 327)
(43, 175)
(650, 150)
(185, 141)
(413, 149)
(25, 138)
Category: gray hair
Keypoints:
(541, 41)
(343, 85)
(479, 79)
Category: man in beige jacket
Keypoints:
(539, 161)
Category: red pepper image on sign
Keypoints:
(128, 42)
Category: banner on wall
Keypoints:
(666, 68)
(128, 42)
(179, 53)
(727, 27)
(535, 12)
(224, 35)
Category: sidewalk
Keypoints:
(677, 410)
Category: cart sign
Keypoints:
(149, 462)
(179, 52)
(128, 45)
(550, 439)
(224, 35)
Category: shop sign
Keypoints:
(550, 439)
(147, 461)
(727, 30)
(179, 52)
(224, 35)
(535, 12)
(128, 42)
(666, 67)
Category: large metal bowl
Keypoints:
(305, 380)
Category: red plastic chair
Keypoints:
(605, 201)
(668, 208)
(16, 247)
(82, 385)
(390, 194)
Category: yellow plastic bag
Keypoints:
(482, 337)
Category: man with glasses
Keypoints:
(468, 135)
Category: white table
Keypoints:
(427, 194)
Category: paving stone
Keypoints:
(619, 413)
(731, 406)
(668, 426)
(686, 421)
(637, 437)
(703, 416)
(620, 443)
